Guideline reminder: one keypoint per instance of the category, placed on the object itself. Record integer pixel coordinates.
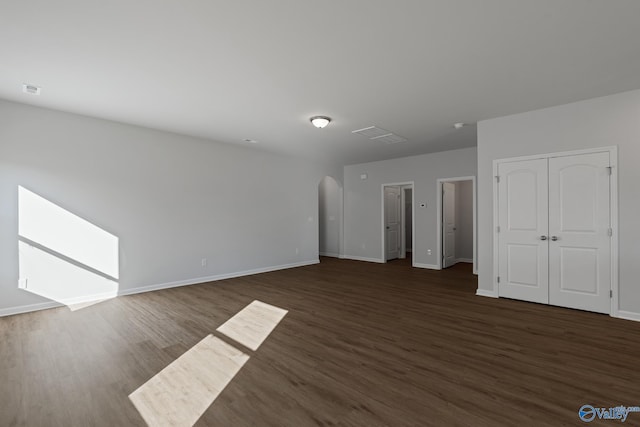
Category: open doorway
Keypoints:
(398, 236)
(456, 222)
(330, 218)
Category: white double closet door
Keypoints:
(554, 231)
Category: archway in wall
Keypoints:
(329, 217)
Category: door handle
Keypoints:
(554, 238)
(543, 237)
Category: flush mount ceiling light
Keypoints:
(460, 125)
(320, 121)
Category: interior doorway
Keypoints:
(398, 231)
(330, 228)
(456, 221)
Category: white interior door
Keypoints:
(448, 224)
(579, 221)
(522, 238)
(392, 208)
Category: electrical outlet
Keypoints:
(204, 262)
(428, 251)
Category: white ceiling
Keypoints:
(230, 70)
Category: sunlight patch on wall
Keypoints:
(63, 257)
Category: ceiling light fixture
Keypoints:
(320, 121)
(460, 125)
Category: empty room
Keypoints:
(285, 213)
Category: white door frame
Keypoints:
(439, 219)
(613, 158)
(402, 185)
(403, 238)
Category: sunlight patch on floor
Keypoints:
(181, 392)
(253, 324)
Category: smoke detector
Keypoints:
(31, 89)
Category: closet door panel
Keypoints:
(523, 221)
(579, 220)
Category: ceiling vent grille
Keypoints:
(378, 134)
(371, 132)
(389, 138)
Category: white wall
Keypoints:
(330, 217)
(464, 220)
(363, 200)
(599, 122)
(171, 200)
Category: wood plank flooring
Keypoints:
(362, 345)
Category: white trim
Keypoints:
(439, 219)
(429, 266)
(613, 159)
(486, 293)
(494, 230)
(341, 224)
(610, 148)
(141, 289)
(60, 303)
(402, 185)
(362, 258)
(402, 251)
(467, 260)
(615, 263)
(330, 254)
(627, 315)
(217, 277)
(29, 308)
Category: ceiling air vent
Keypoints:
(31, 89)
(378, 134)
(389, 138)
(371, 132)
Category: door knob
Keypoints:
(388, 227)
(543, 237)
(554, 238)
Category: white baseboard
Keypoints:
(214, 278)
(52, 304)
(361, 258)
(429, 266)
(330, 254)
(467, 260)
(486, 293)
(28, 308)
(628, 315)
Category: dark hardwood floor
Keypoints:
(362, 345)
